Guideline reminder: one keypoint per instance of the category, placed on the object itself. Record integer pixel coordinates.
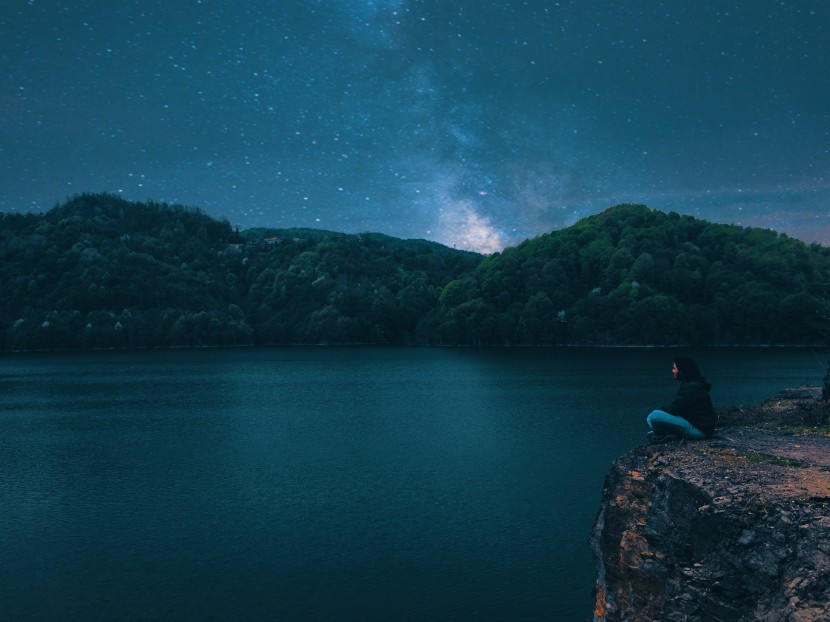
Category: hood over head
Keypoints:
(687, 369)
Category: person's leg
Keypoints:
(662, 422)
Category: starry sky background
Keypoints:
(475, 123)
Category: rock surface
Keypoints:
(731, 529)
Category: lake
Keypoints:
(326, 483)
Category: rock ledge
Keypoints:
(732, 529)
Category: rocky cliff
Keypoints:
(731, 529)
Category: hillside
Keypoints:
(634, 275)
(101, 272)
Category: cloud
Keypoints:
(460, 222)
(462, 227)
(439, 198)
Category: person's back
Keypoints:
(691, 414)
(694, 404)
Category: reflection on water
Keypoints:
(319, 484)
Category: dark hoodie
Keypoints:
(692, 401)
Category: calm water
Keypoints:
(325, 484)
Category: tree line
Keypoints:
(101, 272)
(634, 275)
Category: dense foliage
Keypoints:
(101, 272)
(633, 275)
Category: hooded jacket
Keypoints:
(694, 404)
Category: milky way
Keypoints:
(474, 123)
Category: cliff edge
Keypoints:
(732, 529)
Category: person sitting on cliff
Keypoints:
(691, 415)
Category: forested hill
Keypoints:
(101, 272)
(634, 275)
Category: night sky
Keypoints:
(475, 123)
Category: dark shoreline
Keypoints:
(674, 347)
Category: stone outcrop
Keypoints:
(732, 529)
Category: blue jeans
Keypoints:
(664, 423)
